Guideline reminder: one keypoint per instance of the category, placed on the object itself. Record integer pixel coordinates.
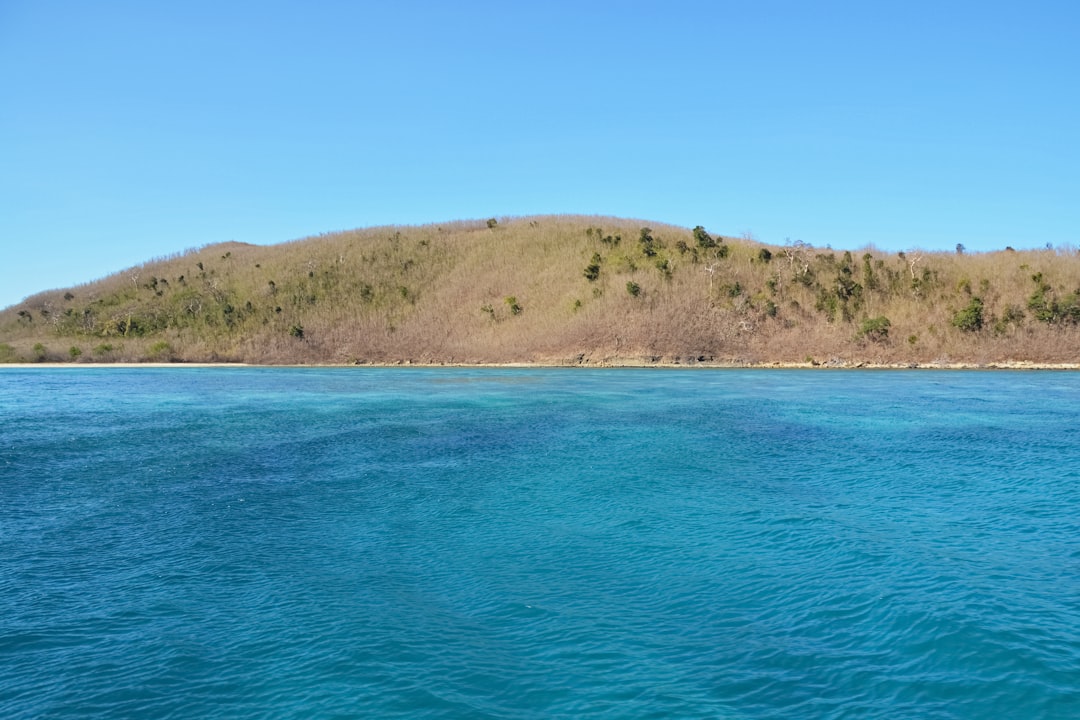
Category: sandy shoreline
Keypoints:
(610, 363)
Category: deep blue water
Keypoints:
(316, 543)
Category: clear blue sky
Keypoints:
(130, 130)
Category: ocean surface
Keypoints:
(522, 543)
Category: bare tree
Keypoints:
(711, 269)
(914, 258)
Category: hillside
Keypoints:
(561, 290)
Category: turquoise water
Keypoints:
(316, 543)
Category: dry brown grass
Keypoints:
(442, 293)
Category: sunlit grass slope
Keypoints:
(558, 289)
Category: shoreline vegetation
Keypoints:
(611, 364)
(561, 291)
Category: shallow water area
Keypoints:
(538, 543)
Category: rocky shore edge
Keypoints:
(583, 361)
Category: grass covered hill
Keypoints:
(562, 290)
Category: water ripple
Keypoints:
(538, 544)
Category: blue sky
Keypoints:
(131, 130)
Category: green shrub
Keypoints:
(970, 319)
(731, 290)
(74, 352)
(875, 329)
(633, 288)
(648, 242)
(827, 303)
(703, 239)
(1013, 316)
(161, 350)
(512, 303)
(1041, 303)
(1069, 307)
(592, 270)
(1048, 309)
(297, 331)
